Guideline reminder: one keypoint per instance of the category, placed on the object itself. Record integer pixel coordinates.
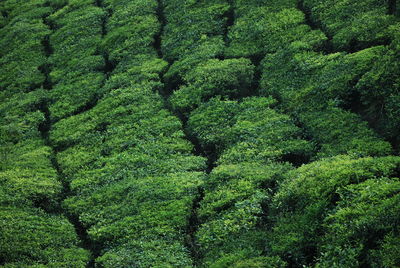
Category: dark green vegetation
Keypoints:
(33, 228)
(216, 133)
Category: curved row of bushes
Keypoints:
(76, 64)
(353, 25)
(33, 233)
(262, 27)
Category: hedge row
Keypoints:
(247, 210)
(353, 25)
(76, 64)
(338, 212)
(193, 32)
(253, 143)
(262, 27)
(316, 87)
(229, 78)
(252, 205)
(22, 51)
(12, 10)
(132, 174)
(29, 185)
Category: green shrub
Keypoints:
(380, 94)
(22, 54)
(233, 230)
(211, 48)
(231, 78)
(240, 260)
(340, 132)
(119, 41)
(76, 75)
(211, 123)
(231, 183)
(246, 131)
(190, 25)
(27, 177)
(147, 252)
(366, 213)
(31, 237)
(307, 80)
(387, 255)
(352, 25)
(308, 84)
(266, 30)
(305, 203)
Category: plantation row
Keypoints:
(279, 96)
(354, 26)
(33, 229)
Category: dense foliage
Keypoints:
(183, 133)
(33, 232)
